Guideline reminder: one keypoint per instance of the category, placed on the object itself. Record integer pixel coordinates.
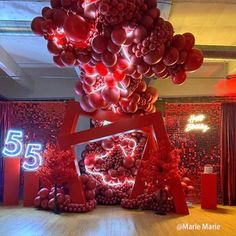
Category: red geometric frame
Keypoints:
(154, 122)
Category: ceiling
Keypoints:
(30, 73)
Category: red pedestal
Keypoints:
(31, 188)
(208, 191)
(11, 170)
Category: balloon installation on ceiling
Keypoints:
(119, 46)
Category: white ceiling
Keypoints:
(213, 23)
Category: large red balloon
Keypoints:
(99, 43)
(155, 56)
(95, 100)
(179, 77)
(68, 58)
(109, 59)
(189, 41)
(54, 48)
(140, 33)
(79, 88)
(59, 17)
(111, 95)
(171, 56)
(36, 25)
(57, 60)
(118, 36)
(178, 42)
(194, 60)
(76, 28)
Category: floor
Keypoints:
(115, 221)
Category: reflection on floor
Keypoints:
(115, 221)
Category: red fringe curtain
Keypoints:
(228, 161)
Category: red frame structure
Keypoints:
(154, 122)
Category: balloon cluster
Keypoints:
(114, 161)
(187, 185)
(46, 198)
(116, 44)
(149, 202)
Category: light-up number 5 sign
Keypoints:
(13, 147)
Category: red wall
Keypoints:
(196, 148)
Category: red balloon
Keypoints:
(54, 48)
(108, 193)
(89, 80)
(153, 92)
(76, 28)
(179, 77)
(68, 58)
(126, 81)
(122, 64)
(135, 60)
(90, 194)
(143, 68)
(158, 68)
(79, 88)
(141, 87)
(111, 95)
(101, 69)
(132, 108)
(163, 74)
(91, 184)
(85, 105)
(59, 17)
(155, 56)
(178, 42)
(84, 59)
(60, 198)
(149, 74)
(44, 204)
(37, 201)
(113, 48)
(99, 44)
(140, 33)
(89, 70)
(47, 26)
(47, 12)
(55, 3)
(107, 144)
(90, 10)
(95, 100)
(119, 75)
(109, 59)
(171, 56)
(87, 88)
(186, 180)
(84, 178)
(154, 13)
(57, 60)
(194, 60)
(118, 36)
(66, 3)
(182, 57)
(147, 21)
(190, 188)
(51, 204)
(43, 193)
(36, 25)
(110, 81)
(189, 41)
(128, 162)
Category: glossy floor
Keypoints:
(115, 221)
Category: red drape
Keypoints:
(228, 161)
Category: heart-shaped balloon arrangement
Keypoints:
(116, 44)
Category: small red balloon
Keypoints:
(118, 36)
(179, 77)
(99, 44)
(171, 56)
(109, 59)
(194, 60)
(189, 41)
(155, 56)
(68, 58)
(36, 25)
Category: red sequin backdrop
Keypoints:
(196, 148)
(40, 122)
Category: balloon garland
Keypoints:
(116, 44)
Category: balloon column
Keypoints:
(116, 44)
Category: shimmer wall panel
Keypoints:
(40, 122)
(196, 148)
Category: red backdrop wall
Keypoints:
(40, 122)
(196, 148)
